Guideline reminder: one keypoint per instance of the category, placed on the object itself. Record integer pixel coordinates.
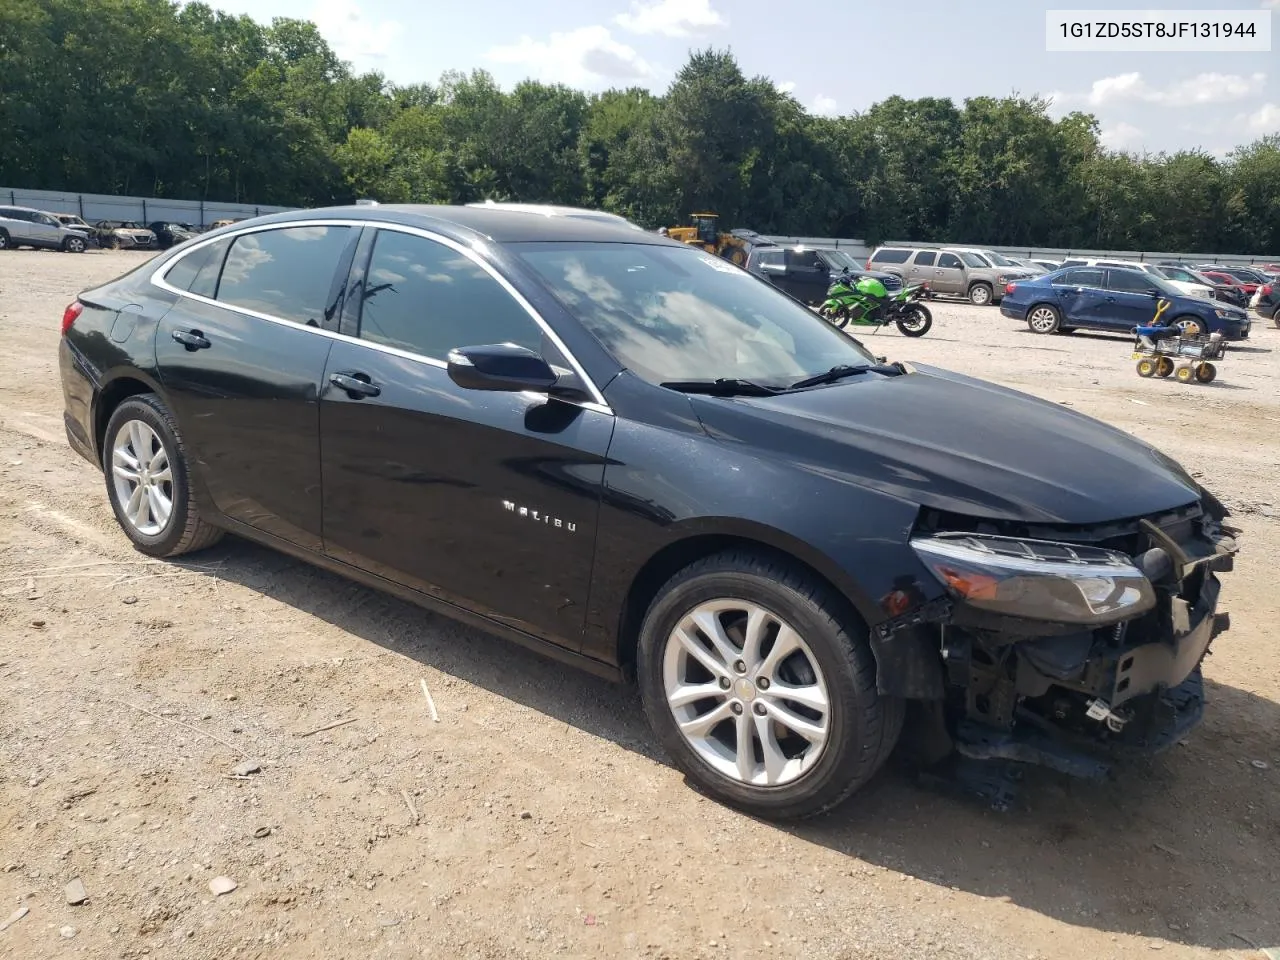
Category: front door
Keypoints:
(1128, 303)
(466, 495)
(241, 357)
(948, 275)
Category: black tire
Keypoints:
(74, 245)
(982, 294)
(1183, 322)
(111, 243)
(186, 530)
(863, 726)
(4, 241)
(1044, 318)
(923, 322)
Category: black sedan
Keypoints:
(635, 457)
(170, 234)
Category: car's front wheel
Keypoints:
(148, 482)
(761, 688)
(74, 245)
(980, 294)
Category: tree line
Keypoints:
(150, 97)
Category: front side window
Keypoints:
(949, 261)
(283, 273)
(672, 315)
(425, 298)
(1128, 281)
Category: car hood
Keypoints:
(955, 443)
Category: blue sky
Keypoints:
(834, 58)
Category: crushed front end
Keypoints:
(1071, 647)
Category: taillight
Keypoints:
(1266, 290)
(69, 315)
(868, 263)
(1009, 288)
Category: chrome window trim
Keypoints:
(157, 278)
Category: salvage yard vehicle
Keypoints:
(1114, 298)
(1266, 302)
(124, 234)
(635, 457)
(26, 227)
(864, 302)
(806, 272)
(950, 271)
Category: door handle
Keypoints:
(357, 385)
(191, 339)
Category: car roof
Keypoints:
(555, 210)
(483, 222)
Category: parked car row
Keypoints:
(41, 229)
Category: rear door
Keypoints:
(20, 227)
(1081, 296)
(948, 275)
(241, 355)
(465, 495)
(922, 267)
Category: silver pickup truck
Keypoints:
(26, 227)
(979, 275)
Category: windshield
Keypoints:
(678, 315)
(973, 260)
(998, 260)
(1164, 286)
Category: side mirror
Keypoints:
(500, 366)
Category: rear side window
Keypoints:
(425, 298)
(925, 258)
(1087, 277)
(890, 255)
(949, 261)
(283, 273)
(18, 214)
(197, 272)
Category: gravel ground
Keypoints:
(536, 816)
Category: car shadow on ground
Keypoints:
(1184, 848)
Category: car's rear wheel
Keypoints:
(148, 482)
(1044, 319)
(761, 688)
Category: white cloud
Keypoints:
(1274, 4)
(1203, 88)
(823, 105)
(579, 57)
(1121, 135)
(1266, 119)
(789, 86)
(670, 18)
(350, 33)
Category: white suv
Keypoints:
(26, 227)
(1188, 288)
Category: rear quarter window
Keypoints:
(890, 255)
(197, 272)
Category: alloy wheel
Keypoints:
(1042, 320)
(746, 692)
(143, 477)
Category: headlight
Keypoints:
(1037, 579)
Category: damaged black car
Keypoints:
(635, 457)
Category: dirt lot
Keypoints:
(543, 820)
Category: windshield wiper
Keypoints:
(723, 387)
(831, 376)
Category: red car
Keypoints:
(1219, 276)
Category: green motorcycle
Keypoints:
(866, 303)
